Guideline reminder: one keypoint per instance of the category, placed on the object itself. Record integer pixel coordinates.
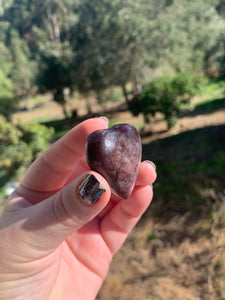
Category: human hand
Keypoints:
(55, 244)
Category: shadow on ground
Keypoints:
(205, 108)
(187, 164)
(177, 250)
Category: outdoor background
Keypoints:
(158, 65)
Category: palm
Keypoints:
(75, 270)
(83, 255)
(86, 255)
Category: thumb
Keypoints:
(54, 219)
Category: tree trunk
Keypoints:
(88, 106)
(137, 88)
(125, 93)
(29, 104)
(65, 112)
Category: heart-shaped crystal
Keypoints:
(115, 153)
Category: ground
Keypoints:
(177, 250)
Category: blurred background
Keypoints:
(158, 65)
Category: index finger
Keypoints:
(52, 169)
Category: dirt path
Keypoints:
(186, 124)
(157, 128)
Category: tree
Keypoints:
(165, 95)
(190, 32)
(24, 67)
(20, 145)
(220, 7)
(33, 37)
(94, 45)
(55, 58)
(21, 66)
(110, 43)
(56, 75)
(13, 152)
(8, 103)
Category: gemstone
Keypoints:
(115, 153)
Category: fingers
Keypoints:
(146, 176)
(52, 169)
(116, 225)
(80, 167)
(51, 221)
(147, 173)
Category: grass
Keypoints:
(214, 89)
(2, 195)
(36, 101)
(210, 105)
(60, 134)
(187, 164)
(177, 248)
(113, 122)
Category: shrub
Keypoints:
(8, 103)
(36, 137)
(20, 145)
(166, 95)
(14, 153)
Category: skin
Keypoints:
(53, 245)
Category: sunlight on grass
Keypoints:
(214, 89)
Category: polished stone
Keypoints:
(115, 153)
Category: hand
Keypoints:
(55, 243)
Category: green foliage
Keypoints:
(94, 45)
(113, 122)
(166, 95)
(190, 33)
(189, 84)
(36, 136)
(6, 86)
(5, 57)
(14, 153)
(111, 94)
(24, 68)
(8, 106)
(110, 44)
(214, 89)
(56, 75)
(150, 236)
(8, 103)
(20, 145)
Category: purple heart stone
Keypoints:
(115, 153)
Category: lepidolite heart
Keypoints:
(115, 153)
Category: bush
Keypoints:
(20, 145)
(8, 103)
(14, 153)
(166, 95)
(188, 84)
(36, 137)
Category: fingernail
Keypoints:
(104, 118)
(152, 163)
(90, 190)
